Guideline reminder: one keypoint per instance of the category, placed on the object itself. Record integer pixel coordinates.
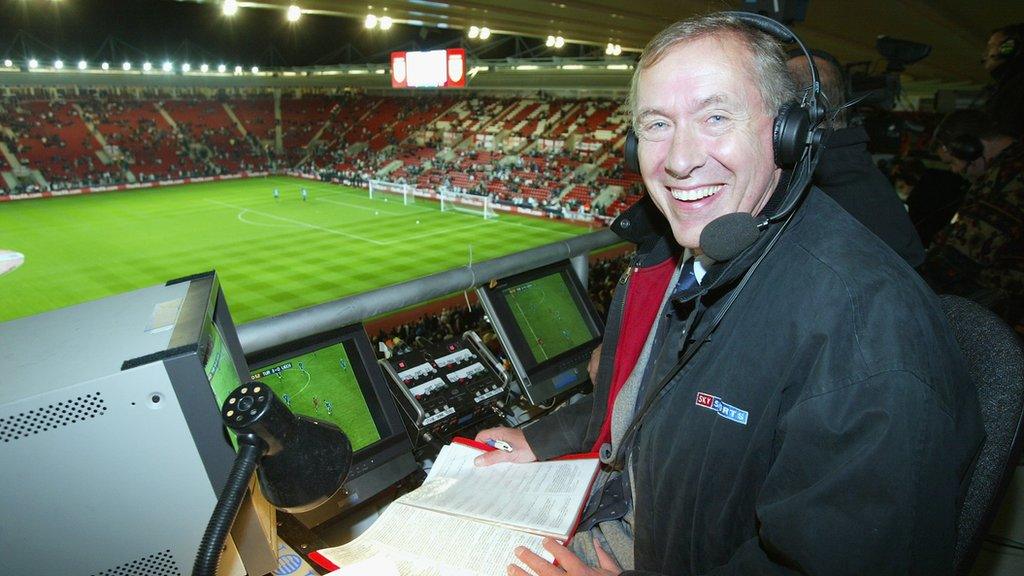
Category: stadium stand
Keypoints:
(553, 155)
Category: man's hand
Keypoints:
(521, 451)
(568, 563)
(595, 361)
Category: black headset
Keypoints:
(798, 126)
(966, 147)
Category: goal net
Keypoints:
(467, 203)
(384, 189)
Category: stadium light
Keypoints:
(370, 22)
(550, 41)
(474, 32)
(168, 67)
(485, 33)
(618, 50)
(255, 69)
(8, 63)
(33, 63)
(238, 69)
(609, 49)
(229, 7)
(126, 66)
(294, 13)
(105, 66)
(186, 67)
(222, 68)
(204, 68)
(82, 64)
(146, 66)
(559, 41)
(385, 23)
(58, 64)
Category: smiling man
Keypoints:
(799, 408)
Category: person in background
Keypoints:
(846, 172)
(980, 253)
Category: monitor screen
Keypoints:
(322, 384)
(547, 316)
(334, 377)
(548, 327)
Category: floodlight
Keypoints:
(229, 7)
(550, 41)
(33, 63)
(105, 66)
(204, 68)
(485, 33)
(371, 21)
(146, 66)
(618, 50)
(58, 64)
(8, 63)
(238, 69)
(222, 68)
(126, 66)
(186, 67)
(255, 69)
(559, 42)
(82, 64)
(294, 13)
(474, 31)
(609, 49)
(385, 23)
(168, 67)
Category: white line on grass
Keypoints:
(242, 219)
(301, 223)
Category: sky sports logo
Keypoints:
(715, 404)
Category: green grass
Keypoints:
(272, 256)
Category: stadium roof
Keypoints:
(332, 31)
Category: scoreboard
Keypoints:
(433, 69)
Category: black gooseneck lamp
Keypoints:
(300, 463)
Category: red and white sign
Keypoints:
(433, 69)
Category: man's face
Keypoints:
(705, 140)
(991, 59)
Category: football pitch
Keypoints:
(548, 317)
(272, 255)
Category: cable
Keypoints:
(224, 513)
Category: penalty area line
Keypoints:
(299, 223)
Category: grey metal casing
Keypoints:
(104, 468)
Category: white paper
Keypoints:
(418, 542)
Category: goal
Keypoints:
(467, 203)
(383, 189)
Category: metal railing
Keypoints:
(261, 335)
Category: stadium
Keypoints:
(362, 184)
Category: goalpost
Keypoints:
(383, 189)
(467, 203)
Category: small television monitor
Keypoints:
(334, 377)
(547, 325)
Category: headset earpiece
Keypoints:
(789, 134)
(630, 151)
(1008, 49)
(966, 147)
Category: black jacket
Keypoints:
(848, 175)
(859, 424)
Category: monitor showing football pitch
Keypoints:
(322, 385)
(548, 327)
(334, 377)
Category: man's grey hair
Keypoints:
(768, 62)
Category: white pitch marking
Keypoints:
(301, 223)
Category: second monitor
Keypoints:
(548, 327)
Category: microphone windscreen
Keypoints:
(726, 236)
